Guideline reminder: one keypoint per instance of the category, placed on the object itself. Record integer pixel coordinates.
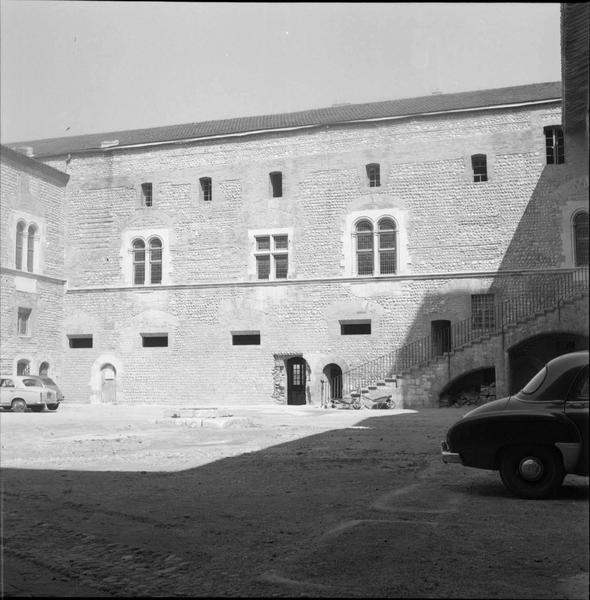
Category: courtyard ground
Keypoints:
(271, 501)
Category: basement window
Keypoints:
(247, 338)
(80, 341)
(355, 327)
(154, 340)
(146, 194)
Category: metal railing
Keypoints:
(549, 292)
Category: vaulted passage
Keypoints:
(527, 357)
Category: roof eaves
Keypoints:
(24, 161)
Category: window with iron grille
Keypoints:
(147, 262)
(206, 189)
(554, 145)
(80, 341)
(479, 162)
(581, 239)
(272, 256)
(154, 340)
(355, 327)
(482, 311)
(146, 194)
(23, 321)
(276, 184)
(247, 338)
(384, 239)
(374, 175)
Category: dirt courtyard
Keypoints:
(271, 501)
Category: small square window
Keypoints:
(80, 341)
(251, 338)
(276, 184)
(146, 194)
(206, 189)
(263, 243)
(355, 327)
(281, 242)
(154, 340)
(23, 321)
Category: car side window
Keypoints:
(29, 382)
(580, 387)
(6, 383)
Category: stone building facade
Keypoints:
(32, 260)
(258, 260)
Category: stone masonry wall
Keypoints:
(447, 224)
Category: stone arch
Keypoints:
(526, 357)
(476, 386)
(23, 365)
(97, 376)
(332, 379)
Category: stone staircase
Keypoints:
(385, 375)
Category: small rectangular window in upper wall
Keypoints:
(80, 341)
(206, 189)
(374, 175)
(479, 162)
(146, 194)
(355, 327)
(23, 320)
(154, 340)
(276, 184)
(250, 338)
(554, 145)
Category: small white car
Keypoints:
(19, 392)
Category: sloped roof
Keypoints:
(22, 161)
(307, 118)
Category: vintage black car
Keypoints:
(533, 438)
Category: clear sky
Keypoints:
(69, 68)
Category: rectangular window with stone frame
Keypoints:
(272, 256)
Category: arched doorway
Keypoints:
(108, 384)
(526, 358)
(333, 375)
(296, 380)
(44, 369)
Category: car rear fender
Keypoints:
(481, 440)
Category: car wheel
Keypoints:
(37, 408)
(532, 471)
(18, 405)
(52, 406)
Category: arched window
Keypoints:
(364, 248)
(581, 239)
(31, 248)
(44, 369)
(138, 262)
(20, 233)
(387, 247)
(155, 260)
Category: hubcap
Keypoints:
(530, 468)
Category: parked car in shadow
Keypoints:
(19, 392)
(533, 438)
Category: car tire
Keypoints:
(37, 408)
(532, 471)
(18, 405)
(52, 406)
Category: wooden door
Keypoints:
(296, 380)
